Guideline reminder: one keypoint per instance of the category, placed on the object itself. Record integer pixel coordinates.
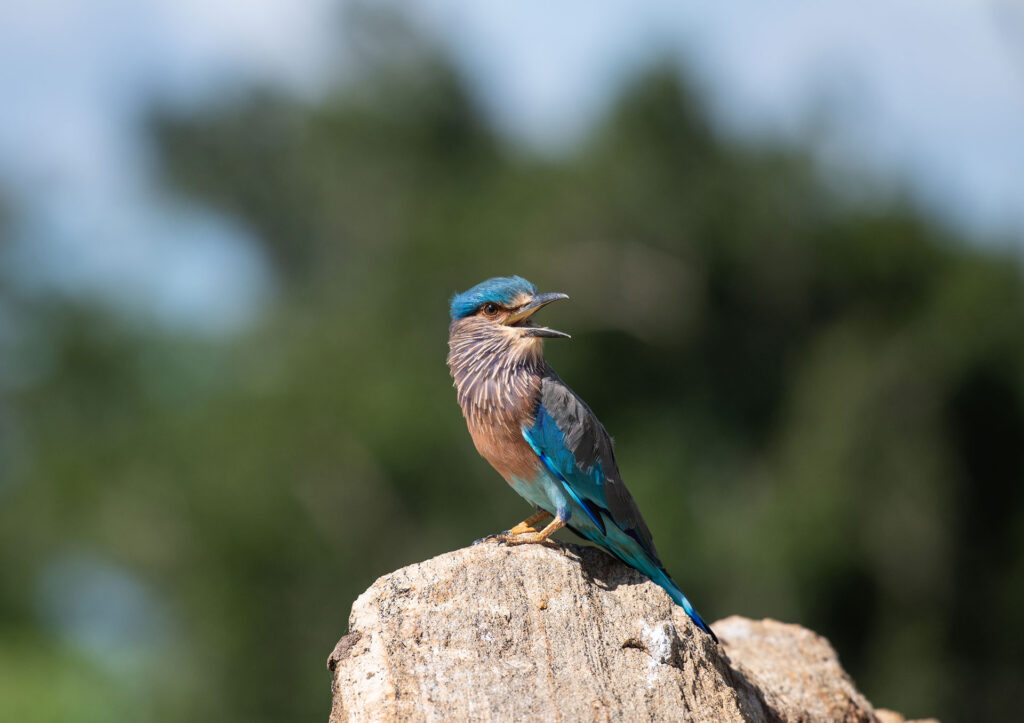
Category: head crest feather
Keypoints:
(499, 290)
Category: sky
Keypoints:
(925, 94)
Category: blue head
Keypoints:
(501, 290)
(503, 303)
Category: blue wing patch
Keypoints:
(577, 451)
(545, 438)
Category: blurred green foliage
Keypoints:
(818, 403)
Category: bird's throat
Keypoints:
(497, 373)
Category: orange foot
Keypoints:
(527, 538)
(524, 527)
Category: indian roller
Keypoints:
(538, 434)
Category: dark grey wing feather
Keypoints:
(585, 437)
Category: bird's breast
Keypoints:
(498, 384)
(502, 444)
(497, 406)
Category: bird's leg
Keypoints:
(527, 525)
(526, 538)
(523, 527)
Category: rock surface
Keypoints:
(568, 633)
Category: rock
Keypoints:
(568, 633)
(797, 671)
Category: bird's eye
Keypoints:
(490, 309)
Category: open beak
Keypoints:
(521, 317)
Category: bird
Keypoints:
(538, 434)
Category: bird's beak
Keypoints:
(521, 317)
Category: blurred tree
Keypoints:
(819, 405)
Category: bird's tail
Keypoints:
(635, 555)
(661, 577)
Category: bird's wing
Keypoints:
(575, 447)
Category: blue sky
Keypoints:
(926, 94)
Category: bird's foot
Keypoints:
(496, 537)
(524, 527)
(527, 525)
(527, 538)
(510, 537)
(536, 538)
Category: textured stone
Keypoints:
(568, 633)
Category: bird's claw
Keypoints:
(508, 538)
(534, 539)
(496, 537)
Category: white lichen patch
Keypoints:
(658, 640)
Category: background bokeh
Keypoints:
(225, 261)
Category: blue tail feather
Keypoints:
(633, 554)
(662, 578)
